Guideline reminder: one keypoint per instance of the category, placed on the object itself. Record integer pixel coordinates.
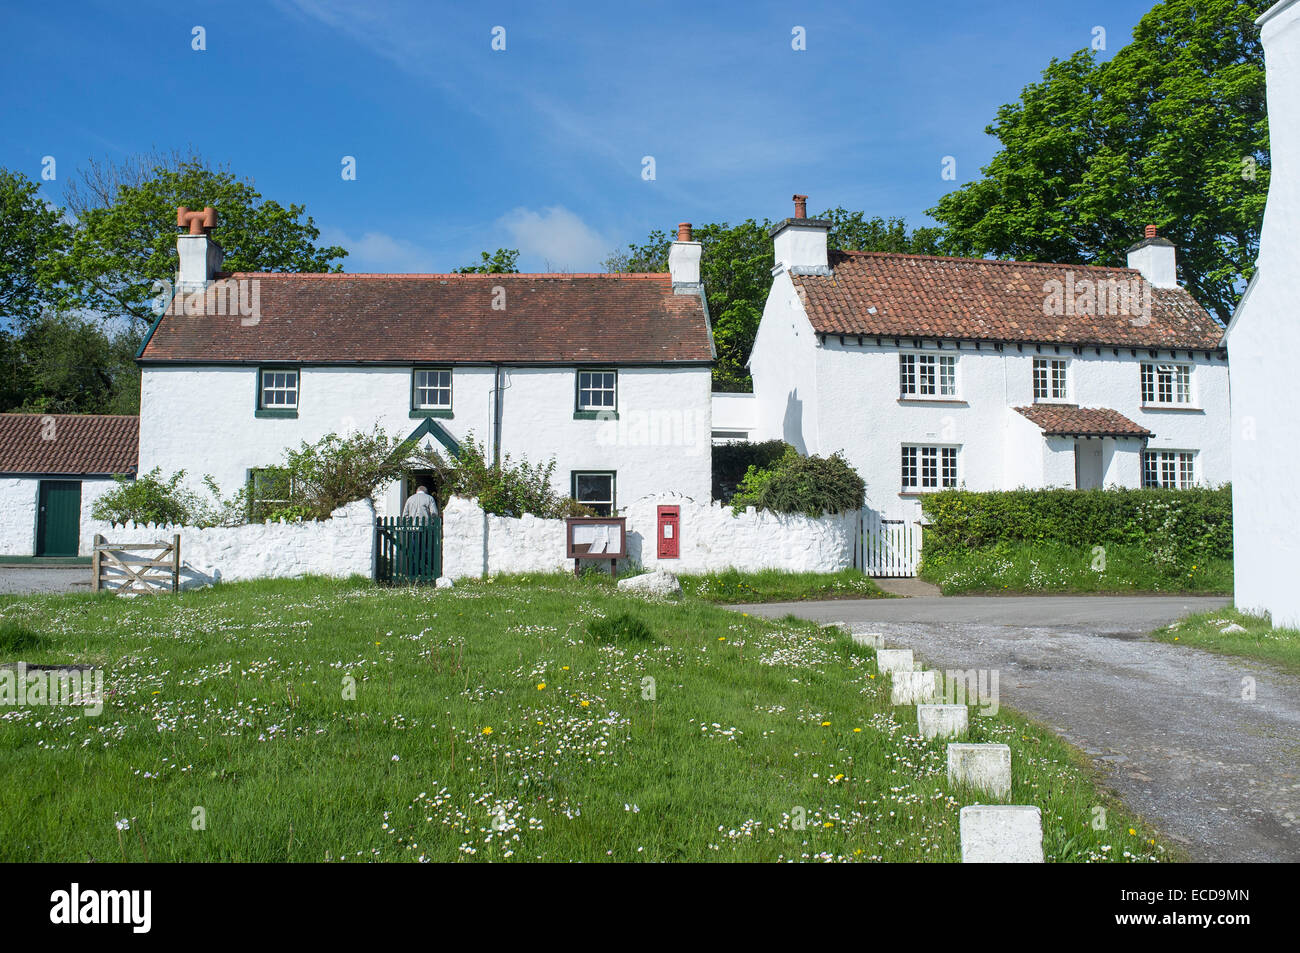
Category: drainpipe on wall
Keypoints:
(498, 388)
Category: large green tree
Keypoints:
(33, 240)
(1172, 131)
(126, 240)
(736, 269)
(68, 364)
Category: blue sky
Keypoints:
(460, 148)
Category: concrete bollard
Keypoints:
(942, 721)
(873, 640)
(1001, 834)
(985, 767)
(894, 660)
(911, 688)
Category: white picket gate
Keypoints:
(888, 547)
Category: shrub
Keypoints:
(623, 627)
(797, 484)
(334, 471)
(731, 461)
(1170, 524)
(151, 499)
(506, 489)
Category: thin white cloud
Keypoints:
(556, 238)
(380, 252)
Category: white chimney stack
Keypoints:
(1156, 259)
(800, 242)
(684, 257)
(200, 255)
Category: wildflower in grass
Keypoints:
(585, 703)
(1132, 832)
(541, 686)
(722, 638)
(123, 824)
(564, 668)
(487, 730)
(826, 724)
(856, 730)
(829, 824)
(396, 758)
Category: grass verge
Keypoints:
(772, 585)
(1010, 568)
(1256, 637)
(527, 719)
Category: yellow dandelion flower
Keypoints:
(585, 703)
(487, 730)
(826, 724)
(828, 824)
(541, 686)
(856, 730)
(564, 668)
(1132, 833)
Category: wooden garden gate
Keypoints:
(408, 549)
(888, 547)
(136, 567)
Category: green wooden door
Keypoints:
(58, 517)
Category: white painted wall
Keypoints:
(735, 413)
(711, 538)
(201, 420)
(340, 546)
(848, 400)
(1262, 340)
(18, 500)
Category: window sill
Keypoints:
(1187, 407)
(595, 415)
(1053, 400)
(285, 414)
(932, 400)
(431, 412)
(925, 492)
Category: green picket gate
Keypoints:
(408, 549)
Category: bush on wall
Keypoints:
(731, 461)
(1172, 524)
(809, 486)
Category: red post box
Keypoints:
(670, 519)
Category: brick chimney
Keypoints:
(200, 255)
(800, 242)
(1156, 259)
(684, 257)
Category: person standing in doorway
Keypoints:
(421, 504)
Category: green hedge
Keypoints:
(1170, 523)
(797, 484)
(731, 461)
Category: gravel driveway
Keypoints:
(1168, 725)
(32, 579)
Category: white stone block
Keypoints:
(889, 661)
(942, 721)
(985, 767)
(911, 688)
(870, 639)
(1001, 834)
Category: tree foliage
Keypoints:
(120, 249)
(503, 261)
(809, 486)
(1172, 131)
(33, 240)
(508, 488)
(65, 364)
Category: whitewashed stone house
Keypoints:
(931, 372)
(1262, 336)
(53, 467)
(607, 373)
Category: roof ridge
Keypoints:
(981, 261)
(25, 413)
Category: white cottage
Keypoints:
(931, 373)
(607, 373)
(1262, 336)
(53, 467)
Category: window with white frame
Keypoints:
(1166, 383)
(597, 390)
(1171, 469)
(279, 390)
(596, 490)
(431, 388)
(927, 375)
(1050, 379)
(929, 468)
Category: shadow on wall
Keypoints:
(792, 424)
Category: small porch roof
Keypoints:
(1071, 420)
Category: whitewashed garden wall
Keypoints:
(476, 544)
(342, 545)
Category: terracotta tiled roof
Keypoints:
(324, 318)
(1071, 420)
(975, 299)
(69, 444)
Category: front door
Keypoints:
(1087, 464)
(58, 517)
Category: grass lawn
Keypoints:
(1260, 640)
(1011, 568)
(775, 586)
(531, 718)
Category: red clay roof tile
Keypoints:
(1070, 420)
(69, 444)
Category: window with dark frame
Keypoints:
(595, 489)
(1170, 469)
(269, 488)
(431, 388)
(278, 390)
(597, 390)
